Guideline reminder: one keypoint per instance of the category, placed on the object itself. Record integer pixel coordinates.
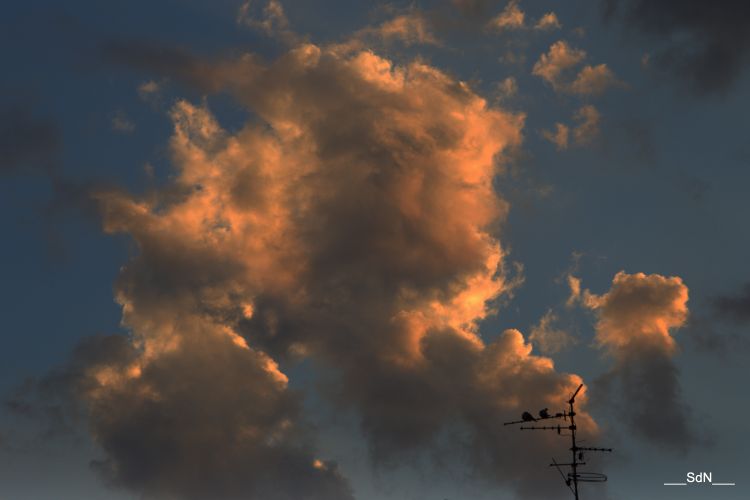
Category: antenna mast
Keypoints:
(574, 476)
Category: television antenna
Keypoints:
(574, 476)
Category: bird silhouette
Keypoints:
(528, 417)
(544, 413)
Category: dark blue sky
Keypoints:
(660, 188)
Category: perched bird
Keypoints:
(528, 417)
(544, 413)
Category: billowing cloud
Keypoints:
(707, 44)
(409, 28)
(556, 67)
(352, 220)
(512, 17)
(197, 415)
(587, 120)
(560, 58)
(270, 19)
(593, 80)
(635, 320)
(548, 21)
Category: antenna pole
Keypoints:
(574, 448)
(574, 476)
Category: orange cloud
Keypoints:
(639, 310)
(560, 58)
(548, 21)
(353, 219)
(556, 68)
(635, 321)
(512, 17)
(583, 133)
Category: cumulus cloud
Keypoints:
(586, 130)
(270, 19)
(196, 416)
(548, 21)
(512, 17)
(352, 220)
(706, 44)
(556, 67)
(635, 321)
(410, 28)
(559, 59)
(593, 80)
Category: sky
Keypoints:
(280, 250)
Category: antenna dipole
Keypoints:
(573, 477)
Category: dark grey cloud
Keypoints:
(27, 142)
(643, 392)
(734, 307)
(204, 421)
(159, 59)
(705, 43)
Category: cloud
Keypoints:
(560, 137)
(593, 80)
(122, 124)
(560, 58)
(549, 339)
(271, 19)
(27, 143)
(512, 17)
(583, 133)
(410, 28)
(635, 320)
(174, 62)
(548, 21)
(588, 124)
(353, 221)
(556, 68)
(735, 307)
(574, 284)
(506, 88)
(197, 416)
(150, 92)
(705, 44)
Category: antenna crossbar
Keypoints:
(573, 477)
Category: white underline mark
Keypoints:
(722, 484)
(675, 484)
